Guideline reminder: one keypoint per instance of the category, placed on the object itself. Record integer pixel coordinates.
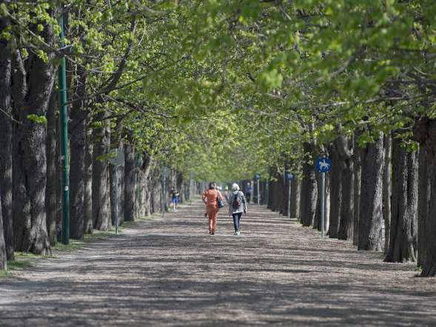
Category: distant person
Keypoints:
(237, 206)
(174, 199)
(210, 198)
(248, 192)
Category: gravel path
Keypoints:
(170, 272)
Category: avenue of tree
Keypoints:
(220, 90)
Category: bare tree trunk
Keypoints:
(31, 95)
(357, 162)
(89, 150)
(371, 206)
(3, 256)
(296, 196)
(78, 153)
(345, 150)
(423, 204)
(6, 135)
(52, 163)
(404, 205)
(130, 183)
(309, 190)
(335, 195)
(387, 191)
(100, 175)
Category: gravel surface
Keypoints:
(170, 272)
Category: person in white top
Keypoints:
(237, 206)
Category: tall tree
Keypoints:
(6, 135)
(403, 238)
(371, 212)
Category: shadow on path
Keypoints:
(169, 271)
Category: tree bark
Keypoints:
(357, 162)
(425, 134)
(345, 150)
(335, 195)
(129, 183)
(404, 205)
(100, 176)
(387, 191)
(371, 206)
(52, 172)
(309, 190)
(423, 205)
(6, 134)
(78, 153)
(31, 94)
(89, 154)
(3, 255)
(295, 198)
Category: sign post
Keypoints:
(257, 178)
(289, 177)
(117, 161)
(323, 165)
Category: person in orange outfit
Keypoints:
(209, 197)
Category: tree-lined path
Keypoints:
(169, 271)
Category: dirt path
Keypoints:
(169, 272)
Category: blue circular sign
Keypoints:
(323, 164)
(257, 177)
(290, 176)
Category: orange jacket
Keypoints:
(209, 197)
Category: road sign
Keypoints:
(289, 176)
(323, 164)
(257, 177)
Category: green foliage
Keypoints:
(37, 119)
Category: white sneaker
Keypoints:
(238, 233)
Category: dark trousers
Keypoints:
(236, 220)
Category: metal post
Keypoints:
(323, 195)
(65, 155)
(267, 191)
(289, 198)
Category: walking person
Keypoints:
(174, 199)
(237, 206)
(210, 198)
(248, 192)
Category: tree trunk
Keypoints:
(387, 191)
(345, 150)
(100, 174)
(31, 97)
(335, 195)
(357, 162)
(129, 183)
(371, 206)
(425, 134)
(89, 151)
(3, 255)
(78, 153)
(52, 163)
(404, 205)
(423, 205)
(6, 134)
(295, 200)
(309, 190)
